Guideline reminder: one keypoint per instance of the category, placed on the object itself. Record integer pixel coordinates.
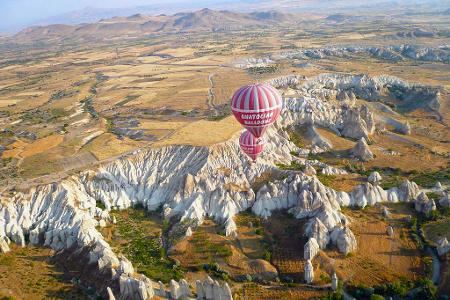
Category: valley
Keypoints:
(122, 177)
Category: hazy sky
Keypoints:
(15, 13)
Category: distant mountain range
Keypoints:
(139, 24)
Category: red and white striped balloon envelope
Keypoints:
(251, 145)
(256, 107)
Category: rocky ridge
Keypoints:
(392, 53)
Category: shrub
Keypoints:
(360, 291)
(327, 180)
(325, 278)
(338, 295)
(376, 297)
(428, 289)
(267, 255)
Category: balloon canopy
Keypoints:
(251, 145)
(256, 107)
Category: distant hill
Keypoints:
(140, 24)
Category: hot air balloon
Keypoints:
(251, 145)
(256, 107)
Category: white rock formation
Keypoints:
(374, 178)
(309, 170)
(4, 247)
(311, 249)
(285, 81)
(345, 240)
(175, 290)
(334, 282)
(329, 170)
(309, 272)
(445, 200)
(390, 231)
(212, 290)
(161, 291)
(102, 223)
(443, 246)
(110, 294)
(190, 183)
(188, 232)
(385, 212)
(125, 266)
(353, 122)
(423, 204)
(185, 289)
(319, 143)
(362, 151)
(135, 288)
(318, 231)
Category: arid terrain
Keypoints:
(120, 166)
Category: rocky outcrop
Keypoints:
(392, 53)
(188, 232)
(374, 178)
(175, 290)
(212, 290)
(370, 88)
(110, 294)
(285, 81)
(334, 282)
(306, 197)
(443, 246)
(344, 239)
(311, 249)
(368, 194)
(253, 62)
(424, 205)
(404, 128)
(329, 170)
(313, 108)
(133, 288)
(359, 123)
(390, 231)
(445, 200)
(316, 230)
(309, 170)
(318, 142)
(385, 212)
(4, 247)
(362, 151)
(125, 266)
(309, 272)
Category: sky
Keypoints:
(19, 13)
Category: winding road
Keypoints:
(211, 95)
